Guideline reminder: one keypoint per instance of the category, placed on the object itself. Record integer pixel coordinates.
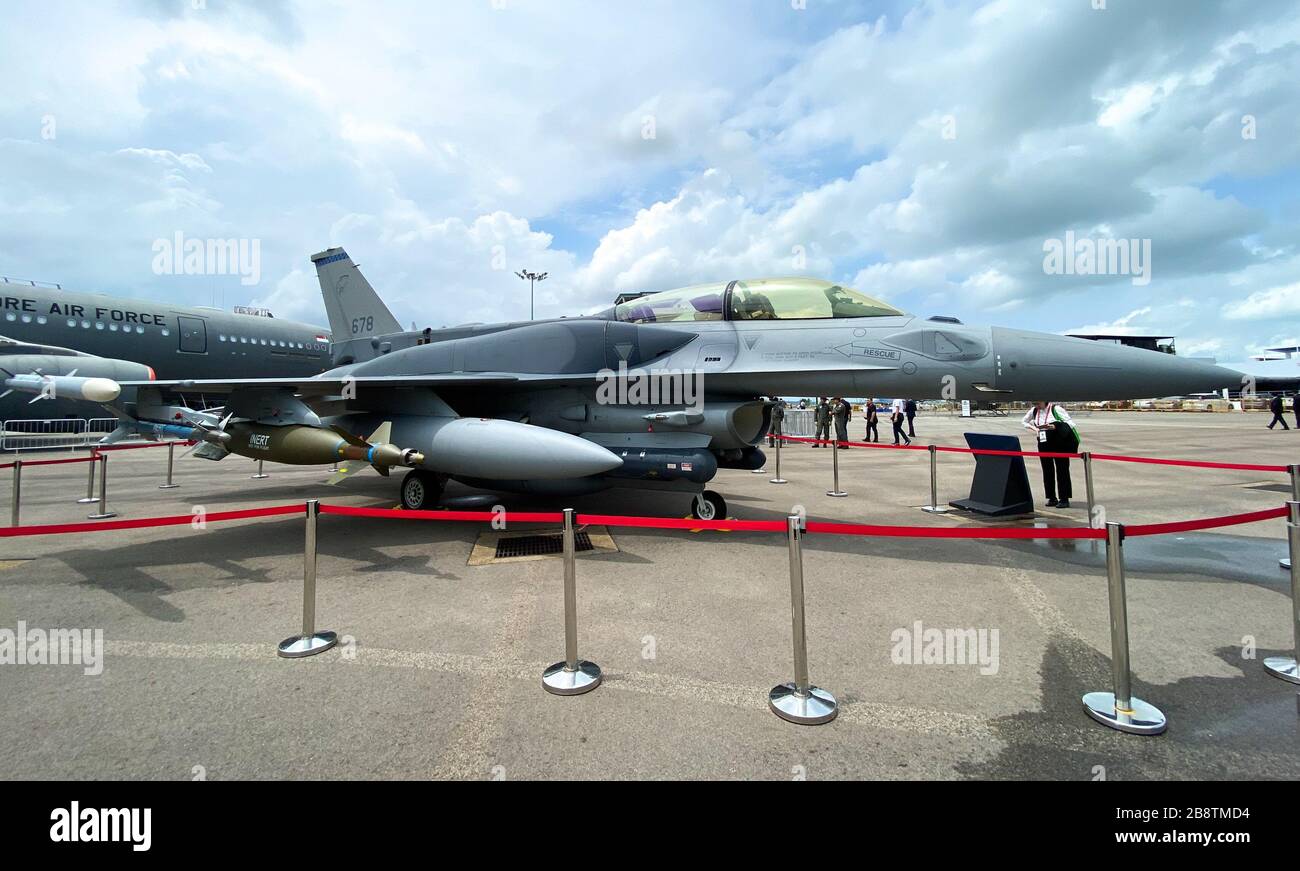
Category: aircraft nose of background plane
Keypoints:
(1061, 368)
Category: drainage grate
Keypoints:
(540, 545)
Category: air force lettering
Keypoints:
(29, 305)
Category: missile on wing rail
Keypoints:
(63, 387)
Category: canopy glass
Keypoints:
(764, 299)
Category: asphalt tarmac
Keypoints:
(439, 672)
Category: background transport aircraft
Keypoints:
(55, 331)
(575, 405)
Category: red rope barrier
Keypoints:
(143, 522)
(482, 516)
(95, 450)
(30, 463)
(1198, 464)
(860, 529)
(681, 523)
(161, 444)
(959, 532)
(1208, 523)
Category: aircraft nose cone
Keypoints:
(1063, 368)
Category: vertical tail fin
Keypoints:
(355, 310)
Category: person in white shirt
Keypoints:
(1056, 433)
(898, 416)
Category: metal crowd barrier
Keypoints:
(44, 434)
(798, 422)
(35, 434)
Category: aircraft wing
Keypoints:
(322, 386)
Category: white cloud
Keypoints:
(1275, 302)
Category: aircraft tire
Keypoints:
(420, 491)
(709, 505)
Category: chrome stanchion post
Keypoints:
(799, 701)
(1120, 710)
(934, 507)
(1286, 562)
(171, 451)
(260, 473)
(310, 642)
(835, 467)
(573, 676)
(778, 479)
(103, 512)
(1092, 494)
(90, 479)
(18, 491)
(1284, 666)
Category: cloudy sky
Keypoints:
(922, 152)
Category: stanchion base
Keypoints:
(307, 645)
(562, 681)
(778, 481)
(89, 500)
(809, 709)
(1283, 667)
(1285, 562)
(936, 509)
(759, 472)
(836, 493)
(255, 477)
(1143, 719)
(168, 486)
(104, 516)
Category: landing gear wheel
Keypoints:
(420, 491)
(709, 506)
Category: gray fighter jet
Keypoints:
(660, 391)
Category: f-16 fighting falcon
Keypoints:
(659, 391)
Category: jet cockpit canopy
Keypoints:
(764, 299)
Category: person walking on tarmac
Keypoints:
(1295, 407)
(778, 416)
(1056, 433)
(822, 418)
(910, 408)
(841, 410)
(1275, 405)
(897, 415)
(873, 421)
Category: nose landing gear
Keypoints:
(709, 505)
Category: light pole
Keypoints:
(533, 278)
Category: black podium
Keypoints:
(1001, 484)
